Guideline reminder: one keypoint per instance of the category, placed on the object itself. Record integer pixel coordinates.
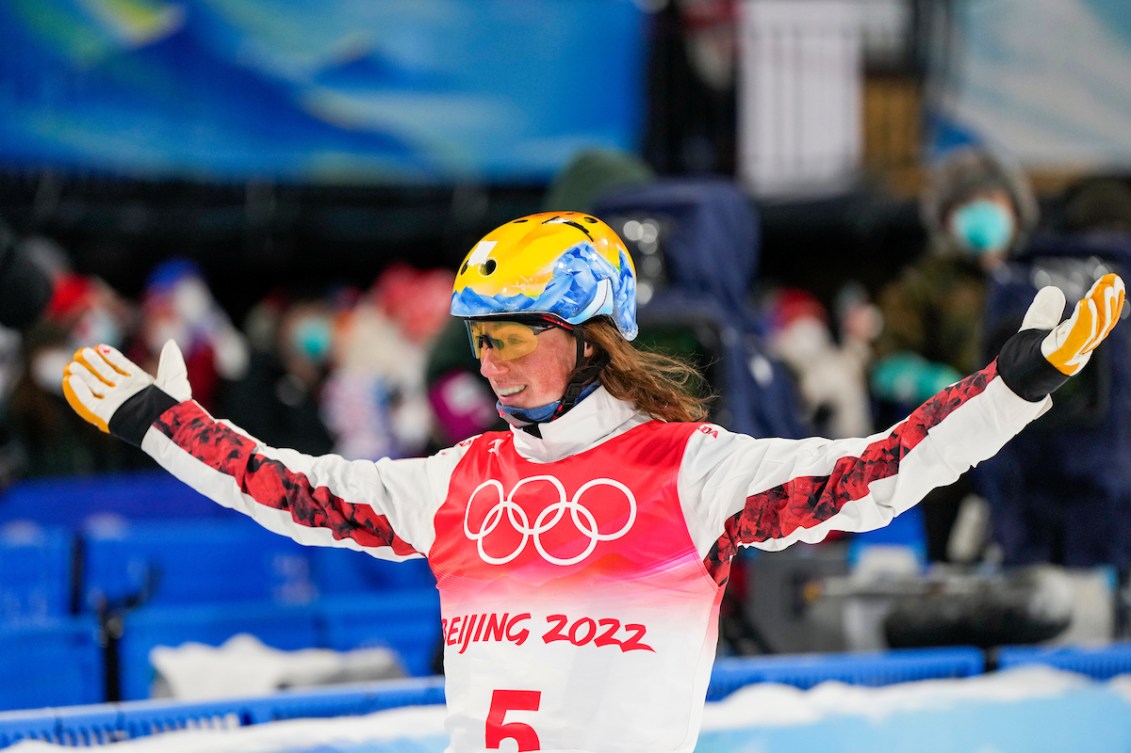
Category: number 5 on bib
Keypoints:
(498, 730)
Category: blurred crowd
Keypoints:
(338, 369)
(864, 360)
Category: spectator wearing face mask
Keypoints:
(46, 437)
(375, 402)
(280, 394)
(977, 209)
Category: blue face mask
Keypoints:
(313, 338)
(982, 226)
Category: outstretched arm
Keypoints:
(770, 493)
(384, 508)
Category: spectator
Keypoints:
(977, 209)
(829, 371)
(375, 403)
(1049, 513)
(279, 397)
(177, 304)
(49, 441)
(26, 286)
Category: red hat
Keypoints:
(71, 295)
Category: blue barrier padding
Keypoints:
(107, 723)
(154, 717)
(806, 670)
(36, 568)
(406, 621)
(55, 662)
(1097, 662)
(1091, 717)
(282, 626)
(184, 562)
(71, 502)
(29, 725)
(86, 726)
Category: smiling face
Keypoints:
(538, 377)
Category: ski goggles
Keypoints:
(508, 338)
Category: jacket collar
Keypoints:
(598, 417)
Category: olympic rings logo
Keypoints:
(581, 516)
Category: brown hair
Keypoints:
(661, 386)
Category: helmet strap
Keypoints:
(579, 385)
(582, 375)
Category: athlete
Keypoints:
(581, 556)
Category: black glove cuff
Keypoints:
(134, 417)
(1025, 370)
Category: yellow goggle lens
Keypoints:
(508, 340)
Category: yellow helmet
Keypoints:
(569, 266)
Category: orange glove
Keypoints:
(99, 381)
(1069, 345)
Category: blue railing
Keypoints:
(91, 725)
(97, 725)
(1097, 662)
(806, 670)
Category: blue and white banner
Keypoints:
(1046, 80)
(334, 91)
